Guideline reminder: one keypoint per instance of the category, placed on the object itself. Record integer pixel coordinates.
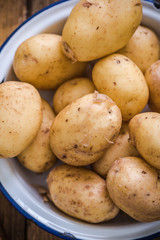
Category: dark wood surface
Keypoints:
(13, 225)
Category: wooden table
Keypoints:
(13, 225)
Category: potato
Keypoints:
(142, 48)
(39, 60)
(119, 78)
(20, 117)
(38, 156)
(83, 130)
(152, 76)
(95, 29)
(81, 193)
(121, 148)
(70, 91)
(144, 131)
(134, 187)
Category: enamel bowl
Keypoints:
(20, 185)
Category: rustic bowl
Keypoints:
(20, 185)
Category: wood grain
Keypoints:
(12, 223)
(35, 233)
(12, 14)
(34, 6)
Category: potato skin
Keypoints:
(20, 117)
(142, 48)
(83, 130)
(81, 193)
(121, 148)
(144, 131)
(70, 91)
(134, 187)
(118, 77)
(152, 76)
(39, 60)
(95, 29)
(38, 156)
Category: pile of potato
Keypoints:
(109, 151)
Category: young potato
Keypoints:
(95, 29)
(38, 156)
(142, 48)
(119, 78)
(121, 148)
(81, 193)
(134, 186)
(83, 130)
(152, 76)
(39, 60)
(70, 91)
(144, 131)
(20, 117)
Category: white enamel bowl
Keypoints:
(18, 184)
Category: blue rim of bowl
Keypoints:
(65, 235)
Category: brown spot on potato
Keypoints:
(87, 4)
(73, 202)
(110, 111)
(70, 175)
(66, 120)
(144, 172)
(64, 156)
(115, 83)
(45, 130)
(75, 146)
(123, 132)
(79, 109)
(34, 60)
(137, 4)
(52, 131)
(47, 164)
(113, 137)
(97, 28)
(18, 112)
(118, 61)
